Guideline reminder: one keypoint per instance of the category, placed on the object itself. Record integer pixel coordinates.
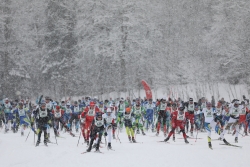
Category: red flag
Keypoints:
(147, 89)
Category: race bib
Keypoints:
(235, 112)
(109, 120)
(163, 106)
(76, 109)
(209, 114)
(57, 114)
(243, 111)
(91, 112)
(137, 112)
(191, 107)
(99, 123)
(49, 106)
(150, 107)
(127, 116)
(122, 107)
(180, 117)
(43, 114)
(68, 111)
(21, 112)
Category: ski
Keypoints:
(189, 138)
(40, 145)
(98, 152)
(155, 136)
(230, 145)
(135, 142)
(216, 140)
(93, 152)
(163, 142)
(111, 149)
(84, 152)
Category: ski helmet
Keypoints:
(47, 98)
(92, 103)
(174, 105)
(209, 104)
(128, 109)
(43, 102)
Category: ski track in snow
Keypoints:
(15, 152)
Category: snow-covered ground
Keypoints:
(15, 152)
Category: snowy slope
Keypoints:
(15, 152)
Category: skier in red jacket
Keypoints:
(178, 120)
(89, 114)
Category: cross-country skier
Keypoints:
(89, 115)
(150, 109)
(7, 113)
(208, 115)
(2, 116)
(190, 105)
(58, 118)
(110, 124)
(202, 104)
(120, 113)
(162, 116)
(43, 118)
(49, 106)
(197, 117)
(67, 114)
(242, 116)
(128, 116)
(76, 111)
(113, 112)
(178, 120)
(234, 112)
(21, 114)
(138, 112)
(97, 126)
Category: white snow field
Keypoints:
(15, 152)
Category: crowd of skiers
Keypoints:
(94, 118)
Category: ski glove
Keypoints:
(105, 134)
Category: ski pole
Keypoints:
(196, 135)
(34, 135)
(118, 136)
(240, 133)
(105, 141)
(79, 138)
(56, 139)
(28, 135)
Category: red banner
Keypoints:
(147, 89)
